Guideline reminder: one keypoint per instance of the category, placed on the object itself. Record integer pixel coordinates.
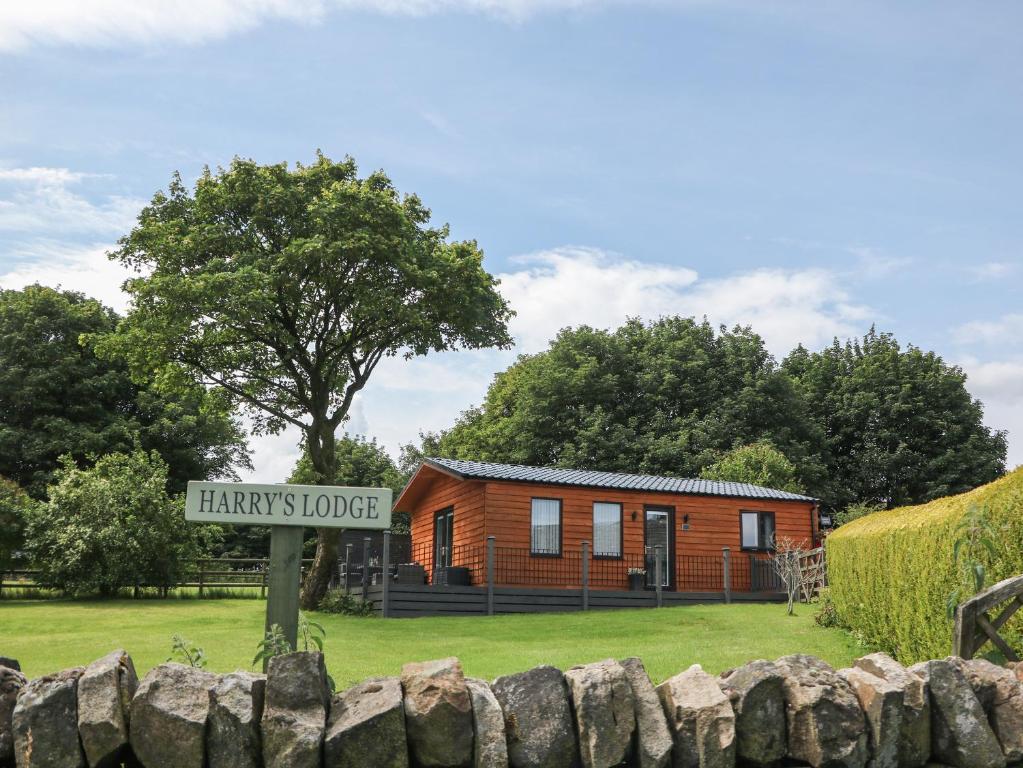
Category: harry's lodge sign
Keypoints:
(315, 506)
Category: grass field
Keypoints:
(48, 635)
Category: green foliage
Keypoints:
(865, 422)
(186, 652)
(856, 511)
(975, 540)
(283, 288)
(899, 426)
(112, 526)
(358, 462)
(758, 463)
(310, 633)
(346, 604)
(274, 643)
(15, 508)
(662, 398)
(891, 573)
(827, 614)
(58, 398)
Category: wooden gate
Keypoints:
(974, 627)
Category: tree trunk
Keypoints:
(321, 447)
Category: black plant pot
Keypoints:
(637, 581)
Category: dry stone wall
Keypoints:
(795, 710)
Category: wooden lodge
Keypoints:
(566, 529)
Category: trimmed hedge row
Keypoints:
(891, 572)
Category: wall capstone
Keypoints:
(11, 681)
(46, 722)
(367, 726)
(294, 711)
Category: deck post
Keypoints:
(348, 566)
(965, 628)
(202, 574)
(365, 568)
(586, 575)
(386, 575)
(491, 540)
(658, 576)
(726, 572)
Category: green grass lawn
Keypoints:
(47, 635)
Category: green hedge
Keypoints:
(891, 572)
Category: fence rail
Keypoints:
(518, 566)
(220, 574)
(728, 574)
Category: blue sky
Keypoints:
(808, 168)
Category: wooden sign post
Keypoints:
(287, 509)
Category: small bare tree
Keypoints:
(788, 564)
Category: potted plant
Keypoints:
(637, 579)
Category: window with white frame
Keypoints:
(545, 527)
(757, 530)
(607, 529)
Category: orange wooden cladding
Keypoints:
(503, 510)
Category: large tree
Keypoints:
(57, 397)
(899, 425)
(663, 398)
(757, 463)
(358, 462)
(285, 288)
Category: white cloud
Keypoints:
(1006, 330)
(999, 385)
(572, 286)
(77, 268)
(873, 263)
(114, 22)
(119, 22)
(575, 286)
(36, 200)
(993, 270)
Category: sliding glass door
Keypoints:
(657, 537)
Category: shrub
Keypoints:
(891, 572)
(339, 601)
(758, 463)
(856, 511)
(15, 508)
(111, 526)
(826, 616)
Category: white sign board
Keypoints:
(314, 506)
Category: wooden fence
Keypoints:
(974, 626)
(206, 575)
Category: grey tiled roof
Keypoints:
(481, 470)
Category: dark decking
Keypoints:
(408, 601)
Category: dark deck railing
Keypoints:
(517, 566)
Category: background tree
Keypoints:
(899, 426)
(285, 288)
(112, 526)
(758, 463)
(57, 397)
(662, 398)
(15, 508)
(358, 462)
